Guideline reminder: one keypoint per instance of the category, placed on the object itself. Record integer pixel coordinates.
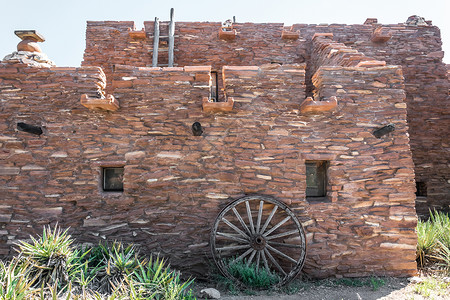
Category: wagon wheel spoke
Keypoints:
(258, 220)
(240, 247)
(269, 218)
(250, 219)
(243, 255)
(277, 226)
(272, 259)
(281, 253)
(266, 265)
(238, 216)
(285, 245)
(232, 237)
(249, 261)
(235, 228)
(258, 259)
(283, 234)
(259, 232)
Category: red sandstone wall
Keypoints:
(196, 43)
(176, 183)
(416, 48)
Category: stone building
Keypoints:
(343, 123)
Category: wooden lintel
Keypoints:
(290, 35)
(136, 34)
(209, 106)
(316, 107)
(227, 35)
(109, 103)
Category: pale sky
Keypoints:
(63, 23)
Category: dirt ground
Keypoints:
(390, 289)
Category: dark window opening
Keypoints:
(316, 178)
(214, 86)
(113, 179)
(276, 63)
(421, 189)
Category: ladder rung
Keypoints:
(163, 50)
(164, 36)
(166, 65)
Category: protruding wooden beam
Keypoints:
(29, 34)
(209, 106)
(109, 103)
(171, 37)
(155, 43)
(317, 107)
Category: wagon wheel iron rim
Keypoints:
(261, 231)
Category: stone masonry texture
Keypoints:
(176, 183)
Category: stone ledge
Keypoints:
(316, 107)
(209, 106)
(109, 103)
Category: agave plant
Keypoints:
(50, 256)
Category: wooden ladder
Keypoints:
(163, 44)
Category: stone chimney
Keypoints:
(28, 50)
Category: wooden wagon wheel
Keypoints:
(262, 232)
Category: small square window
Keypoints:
(421, 189)
(316, 178)
(113, 179)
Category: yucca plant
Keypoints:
(129, 289)
(427, 235)
(160, 282)
(444, 257)
(16, 280)
(153, 276)
(50, 256)
(441, 222)
(118, 262)
(177, 289)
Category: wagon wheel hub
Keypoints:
(258, 242)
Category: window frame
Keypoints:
(322, 179)
(104, 179)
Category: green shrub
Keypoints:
(251, 276)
